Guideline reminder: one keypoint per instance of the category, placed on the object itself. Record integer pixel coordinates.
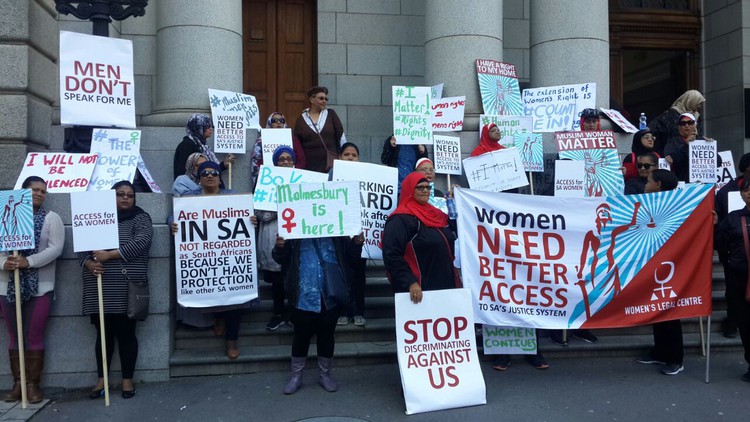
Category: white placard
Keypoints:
(93, 217)
(270, 176)
(495, 171)
(509, 127)
(508, 340)
(726, 172)
(97, 85)
(447, 154)
(63, 172)
(664, 164)
(557, 108)
(437, 351)
(312, 210)
(378, 190)
(215, 258)
(119, 150)
(235, 101)
(619, 120)
(570, 178)
(436, 91)
(412, 115)
(272, 139)
(448, 114)
(734, 201)
(230, 135)
(702, 161)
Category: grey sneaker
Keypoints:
(672, 369)
(275, 322)
(343, 320)
(649, 359)
(359, 321)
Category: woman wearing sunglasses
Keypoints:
(677, 151)
(320, 131)
(276, 120)
(643, 143)
(645, 164)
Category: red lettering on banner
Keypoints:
(450, 328)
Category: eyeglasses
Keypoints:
(426, 170)
(644, 166)
(278, 120)
(210, 173)
(686, 122)
(423, 188)
(321, 98)
(125, 195)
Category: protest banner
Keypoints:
(119, 150)
(570, 179)
(726, 172)
(272, 139)
(498, 86)
(447, 154)
(619, 120)
(436, 91)
(702, 161)
(378, 190)
(412, 115)
(214, 250)
(437, 351)
(230, 134)
(556, 108)
(16, 220)
(271, 176)
(310, 210)
(508, 340)
(63, 172)
(222, 101)
(448, 114)
(598, 152)
(509, 127)
(94, 220)
(618, 261)
(147, 176)
(531, 149)
(97, 85)
(495, 171)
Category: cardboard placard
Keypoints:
(119, 151)
(312, 210)
(63, 172)
(94, 220)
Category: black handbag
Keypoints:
(335, 287)
(138, 297)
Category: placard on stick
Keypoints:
(495, 171)
(16, 220)
(702, 161)
(94, 220)
(447, 151)
(230, 134)
(311, 210)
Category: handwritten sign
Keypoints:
(495, 171)
(16, 220)
(570, 178)
(230, 135)
(702, 161)
(726, 172)
(412, 120)
(557, 108)
(508, 340)
(531, 148)
(272, 139)
(437, 351)
(447, 154)
(270, 176)
(97, 86)
(617, 118)
(147, 176)
(377, 197)
(310, 210)
(64, 173)
(498, 86)
(214, 251)
(509, 127)
(448, 114)
(222, 101)
(598, 152)
(436, 91)
(93, 216)
(118, 150)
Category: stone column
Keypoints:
(199, 46)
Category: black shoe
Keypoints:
(584, 335)
(128, 394)
(95, 394)
(672, 368)
(729, 329)
(557, 337)
(746, 376)
(501, 363)
(649, 359)
(537, 361)
(275, 323)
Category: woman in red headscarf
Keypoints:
(418, 243)
(490, 140)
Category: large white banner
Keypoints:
(311, 210)
(447, 150)
(119, 152)
(378, 189)
(215, 258)
(272, 139)
(63, 172)
(221, 101)
(556, 108)
(495, 171)
(97, 85)
(94, 220)
(437, 351)
(702, 161)
(230, 135)
(412, 117)
(271, 176)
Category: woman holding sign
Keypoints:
(489, 140)
(37, 267)
(117, 268)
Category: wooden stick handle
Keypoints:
(19, 335)
(105, 368)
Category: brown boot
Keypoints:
(34, 366)
(15, 368)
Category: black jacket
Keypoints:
(728, 241)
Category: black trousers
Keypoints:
(122, 328)
(306, 324)
(359, 267)
(277, 289)
(736, 288)
(668, 346)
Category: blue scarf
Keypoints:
(29, 276)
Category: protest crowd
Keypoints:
(429, 241)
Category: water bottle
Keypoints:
(642, 122)
(451, 204)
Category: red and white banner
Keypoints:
(437, 351)
(618, 261)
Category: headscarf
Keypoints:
(29, 277)
(124, 215)
(190, 163)
(280, 150)
(423, 160)
(637, 146)
(485, 143)
(268, 120)
(689, 102)
(207, 165)
(196, 126)
(426, 213)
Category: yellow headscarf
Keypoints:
(689, 102)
